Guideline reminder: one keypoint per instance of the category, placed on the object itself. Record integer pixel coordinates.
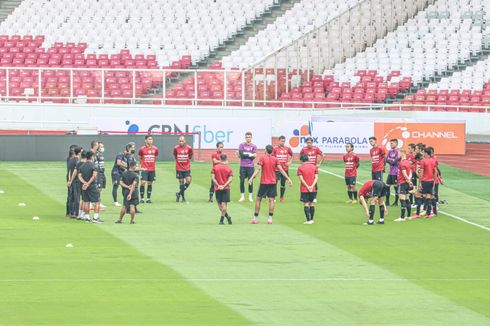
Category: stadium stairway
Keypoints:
(251, 29)
(481, 55)
(6, 8)
(234, 42)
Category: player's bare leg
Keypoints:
(132, 213)
(121, 215)
(96, 213)
(258, 202)
(272, 204)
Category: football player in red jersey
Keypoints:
(315, 155)
(378, 154)
(411, 158)
(437, 182)
(148, 156)
(308, 176)
(404, 181)
(284, 155)
(372, 193)
(428, 174)
(351, 165)
(183, 154)
(267, 165)
(215, 159)
(222, 175)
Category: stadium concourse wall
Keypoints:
(55, 147)
(227, 124)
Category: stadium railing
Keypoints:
(234, 89)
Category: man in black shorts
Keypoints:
(267, 165)
(120, 165)
(222, 175)
(247, 152)
(90, 192)
(72, 182)
(372, 193)
(427, 172)
(148, 156)
(129, 185)
(308, 177)
(99, 162)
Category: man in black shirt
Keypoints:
(73, 199)
(99, 162)
(121, 165)
(90, 193)
(129, 184)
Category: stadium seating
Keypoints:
(438, 38)
(167, 29)
(302, 18)
(27, 51)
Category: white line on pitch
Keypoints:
(440, 211)
(246, 280)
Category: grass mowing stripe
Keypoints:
(440, 211)
(184, 235)
(37, 250)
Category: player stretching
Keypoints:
(315, 155)
(148, 156)
(427, 174)
(373, 193)
(377, 159)
(284, 155)
(183, 155)
(308, 176)
(404, 180)
(351, 165)
(129, 184)
(267, 165)
(392, 158)
(216, 159)
(222, 175)
(247, 153)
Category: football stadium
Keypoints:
(247, 162)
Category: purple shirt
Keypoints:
(247, 149)
(393, 158)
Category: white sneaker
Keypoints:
(307, 222)
(312, 222)
(117, 204)
(400, 220)
(250, 199)
(242, 199)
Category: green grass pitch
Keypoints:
(177, 266)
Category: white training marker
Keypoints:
(22, 204)
(35, 218)
(69, 245)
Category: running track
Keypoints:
(476, 159)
